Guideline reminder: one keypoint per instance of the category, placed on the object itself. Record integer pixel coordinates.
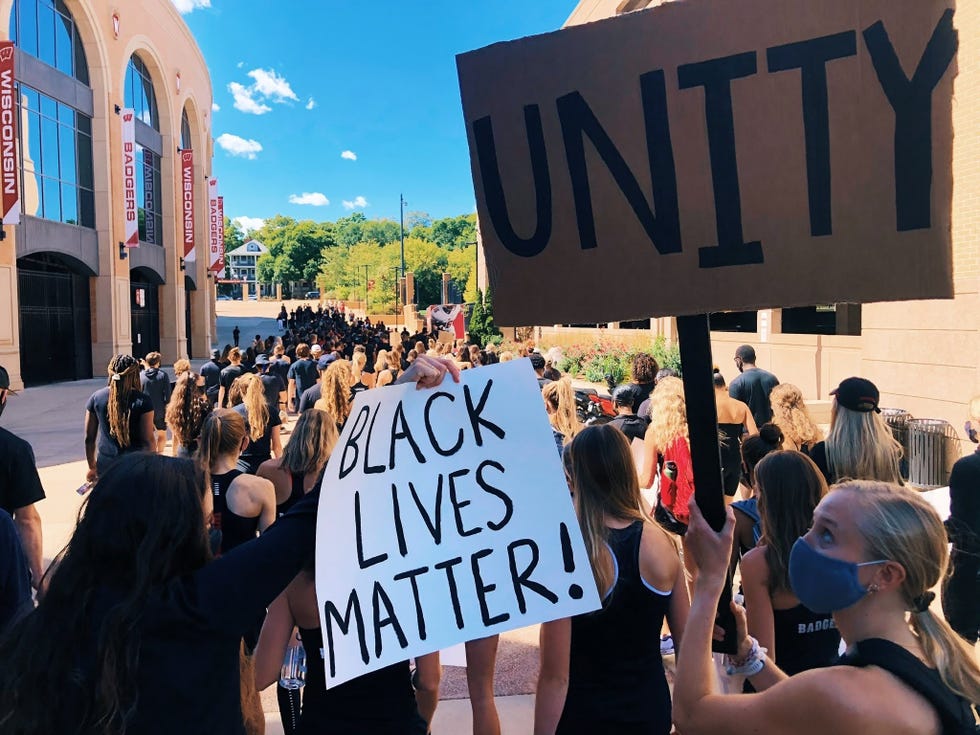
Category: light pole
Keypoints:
(401, 216)
(365, 291)
(396, 269)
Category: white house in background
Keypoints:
(242, 265)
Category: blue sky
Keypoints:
(380, 78)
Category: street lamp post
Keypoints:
(396, 269)
(401, 216)
(365, 291)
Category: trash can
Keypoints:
(898, 421)
(933, 448)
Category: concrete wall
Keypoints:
(154, 30)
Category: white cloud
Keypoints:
(349, 156)
(272, 86)
(240, 64)
(215, 107)
(311, 104)
(237, 146)
(314, 199)
(249, 224)
(245, 102)
(358, 203)
(188, 6)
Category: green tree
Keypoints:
(477, 320)
(381, 231)
(490, 331)
(454, 232)
(350, 229)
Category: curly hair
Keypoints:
(187, 409)
(644, 368)
(668, 412)
(790, 414)
(337, 381)
(124, 381)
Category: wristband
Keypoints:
(751, 665)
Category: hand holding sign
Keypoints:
(444, 518)
(428, 372)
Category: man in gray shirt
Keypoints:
(753, 385)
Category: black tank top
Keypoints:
(956, 715)
(380, 703)
(295, 495)
(235, 529)
(616, 680)
(804, 640)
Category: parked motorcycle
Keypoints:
(592, 407)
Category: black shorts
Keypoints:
(160, 423)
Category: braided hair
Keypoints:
(124, 380)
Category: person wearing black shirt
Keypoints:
(302, 374)
(15, 575)
(753, 385)
(20, 488)
(156, 384)
(236, 334)
(272, 384)
(211, 372)
(961, 590)
(624, 398)
(118, 418)
(229, 375)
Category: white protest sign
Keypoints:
(444, 517)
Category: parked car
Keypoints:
(312, 295)
(224, 297)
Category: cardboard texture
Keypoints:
(444, 517)
(703, 156)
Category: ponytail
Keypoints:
(953, 658)
(124, 372)
(257, 408)
(221, 434)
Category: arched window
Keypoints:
(139, 96)
(45, 29)
(55, 134)
(139, 92)
(185, 132)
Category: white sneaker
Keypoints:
(666, 645)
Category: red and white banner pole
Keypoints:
(131, 207)
(221, 234)
(187, 202)
(10, 171)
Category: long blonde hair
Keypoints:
(381, 362)
(248, 389)
(668, 412)
(335, 392)
(560, 399)
(603, 478)
(310, 444)
(358, 363)
(898, 524)
(860, 446)
(124, 381)
(790, 414)
(187, 409)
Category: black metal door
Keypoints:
(55, 322)
(145, 307)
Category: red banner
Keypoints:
(187, 203)
(9, 175)
(130, 207)
(215, 222)
(221, 235)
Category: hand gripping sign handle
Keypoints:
(702, 421)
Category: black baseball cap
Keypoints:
(5, 381)
(262, 359)
(215, 354)
(857, 394)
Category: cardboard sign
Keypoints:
(444, 517)
(705, 156)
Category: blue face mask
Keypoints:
(824, 584)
